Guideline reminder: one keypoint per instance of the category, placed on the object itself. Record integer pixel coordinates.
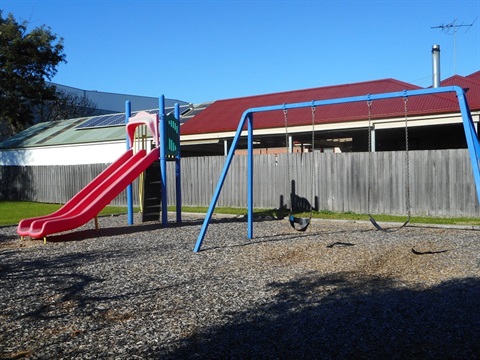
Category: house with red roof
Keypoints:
(434, 121)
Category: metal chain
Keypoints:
(285, 112)
(407, 161)
(312, 161)
(369, 170)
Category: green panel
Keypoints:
(172, 143)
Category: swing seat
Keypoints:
(299, 224)
(378, 227)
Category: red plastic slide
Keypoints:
(92, 198)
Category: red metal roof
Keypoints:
(224, 115)
(471, 84)
(474, 77)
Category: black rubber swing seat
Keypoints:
(299, 224)
(374, 222)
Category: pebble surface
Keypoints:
(341, 290)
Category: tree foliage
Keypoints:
(67, 105)
(27, 61)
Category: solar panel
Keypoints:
(191, 112)
(108, 120)
(119, 119)
(103, 121)
(183, 109)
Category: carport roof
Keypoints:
(99, 128)
(62, 132)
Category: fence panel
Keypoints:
(441, 182)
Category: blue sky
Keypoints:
(207, 50)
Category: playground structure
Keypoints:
(89, 201)
(247, 119)
(168, 133)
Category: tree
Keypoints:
(67, 106)
(27, 61)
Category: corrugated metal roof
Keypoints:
(471, 84)
(61, 133)
(474, 77)
(224, 115)
(74, 131)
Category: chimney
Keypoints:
(436, 65)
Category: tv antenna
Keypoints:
(451, 29)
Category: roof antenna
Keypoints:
(451, 29)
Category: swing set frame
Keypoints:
(247, 117)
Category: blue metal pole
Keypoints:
(472, 139)
(178, 180)
(128, 113)
(250, 177)
(163, 159)
(223, 175)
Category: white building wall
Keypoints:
(97, 153)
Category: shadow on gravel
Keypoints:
(335, 316)
(341, 316)
(103, 232)
(78, 235)
(56, 282)
(292, 236)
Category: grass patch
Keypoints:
(14, 211)
(327, 214)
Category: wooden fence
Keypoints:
(440, 182)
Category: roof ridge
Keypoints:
(473, 74)
(360, 83)
(463, 78)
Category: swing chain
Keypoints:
(407, 161)
(287, 146)
(312, 162)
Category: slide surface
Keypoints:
(89, 201)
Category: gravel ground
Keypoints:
(341, 290)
